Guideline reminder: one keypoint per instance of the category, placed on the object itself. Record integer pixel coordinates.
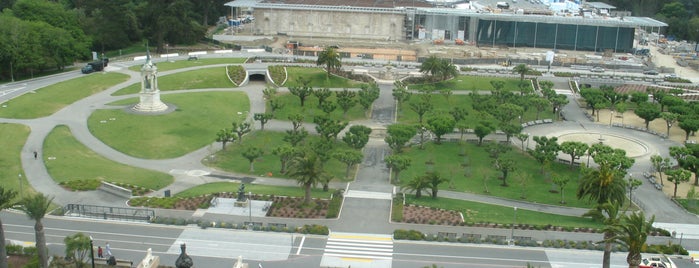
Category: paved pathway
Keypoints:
(366, 208)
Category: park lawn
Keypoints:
(470, 82)
(292, 106)
(690, 205)
(447, 162)
(232, 160)
(50, 99)
(258, 189)
(318, 78)
(14, 136)
(442, 104)
(191, 126)
(67, 159)
(480, 212)
(164, 65)
(214, 77)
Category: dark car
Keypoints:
(87, 69)
(651, 72)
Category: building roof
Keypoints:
(600, 5)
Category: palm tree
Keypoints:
(6, 197)
(308, 171)
(418, 184)
(36, 206)
(521, 69)
(633, 231)
(330, 58)
(602, 185)
(608, 213)
(431, 66)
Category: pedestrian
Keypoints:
(36, 154)
(108, 250)
(99, 253)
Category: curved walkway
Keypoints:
(373, 175)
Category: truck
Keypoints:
(95, 66)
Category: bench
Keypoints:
(115, 190)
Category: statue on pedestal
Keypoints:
(184, 261)
(241, 193)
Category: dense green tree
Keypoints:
(77, 248)
(241, 129)
(307, 169)
(400, 92)
(511, 130)
(346, 100)
(575, 149)
(252, 154)
(294, 137)
(648, 112)
(328, 128)
(328, 107)
(595, 100)
(367, 95)
(398, 135)
(331, 58)
(561, 182)
(357, 136)
(285, 153)
(302, 92)
(504, 165)
(113, 24)
(36, 206)
(677, 176)
(670, 119)
(689, 124)
(421, 107)
(397, 163)
(225, 136)
(263, 118)
(322, 94)
(639, 97)
(507, 112)
(170, 21)
(660, 164)
(296, 121)
(612, 96)
(6, 197)
(458, 113)
(483, 129)
(540, 104)
(441, 124)
(349, 158)
(545, 151)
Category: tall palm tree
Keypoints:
(633, 231)
(36, 206)
(308, 171)
(521, 69)
(6, 197)
(608, 213)
(431, 66)
(330, 58)
(417, 185)
(602, 185)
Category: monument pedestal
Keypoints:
(150, 102)
(241, 204)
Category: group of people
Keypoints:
(107, 249)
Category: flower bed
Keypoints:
(293, 207)
(426, 215)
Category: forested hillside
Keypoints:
(38, 35)
(681, 15)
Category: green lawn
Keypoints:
(318, 78)
(480, 212)
(192, 126)
(13, 138)
(214, 77)
(48, 100)
(164, 65)
(292, 106)
(67, 159)
(232, 160)
(442, 105)
(691, 205)
(232, 187)
(448, 163)
(469, 82)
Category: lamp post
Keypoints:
(250, 209)
(611, 114)
(167, 52)
(92, 252)
(514, 221)
(21, 192)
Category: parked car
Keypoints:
(597, 70)
(671, 76)
(650, 72)
(654, 262)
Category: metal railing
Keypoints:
(108, 213)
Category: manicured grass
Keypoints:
(691, 205)
(48, 100)
(443, 105)
(192, 126)
(480, 212)
(68, 160)
(232, 160)
(214, 77)
(468, 82)
(448, 163)
(164, 65)
(232, 187)
(13, 138)
(292, 106)
(318, 78)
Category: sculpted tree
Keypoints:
(397, 163)
(441, 124)
(225, 136)
(398, 135)
(252, 154)
(648, 112)
(350, 158)
(357, 136)
(263, 118)
(322, 94)
(575, 149)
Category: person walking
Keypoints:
(36, 154)
(99, 252)
(108, 250)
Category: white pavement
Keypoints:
(358, 250)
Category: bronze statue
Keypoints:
(241, 193)
(184, 261)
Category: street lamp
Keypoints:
(21, 192)
(103, 71)
(512, 234)
(92, 252)
(250, 209)
(167, 52)
(611, 114)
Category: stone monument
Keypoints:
(150, 94)
(184, 261)
(241, 201)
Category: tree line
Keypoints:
(40, 35)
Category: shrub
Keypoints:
(314, 229)
(81, 185)
(408, 234)
(335, 205)
(563, 74)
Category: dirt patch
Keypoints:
(293, 207)
(427, 215)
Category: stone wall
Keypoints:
(329, 24)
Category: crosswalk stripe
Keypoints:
(368, 195)
(353, 247)
(332, 243)
(370, 253)
(381, 241)
(358, 256)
